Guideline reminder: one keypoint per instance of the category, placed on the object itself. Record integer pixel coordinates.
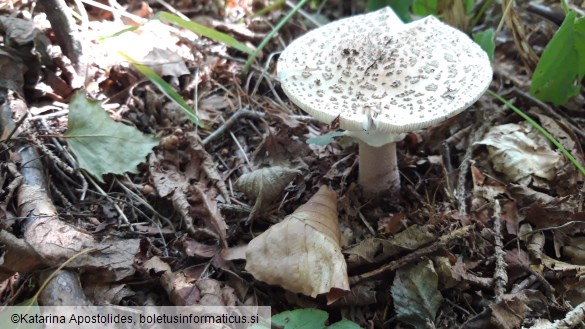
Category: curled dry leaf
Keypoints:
(302, 253)
(265, 185)
(519, 151)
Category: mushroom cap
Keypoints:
(381, 77)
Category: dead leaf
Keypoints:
(187, 175)
(265, 186)
(575, 250)
(185, 290)
(194, 248)
(302, 253)
(374, 250)
(512, 309)
(519, 151)
(107, 293)
(561, 266)
(165, 62)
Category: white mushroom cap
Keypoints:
(382, 78)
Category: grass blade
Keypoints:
(203, 30)
(167, 89)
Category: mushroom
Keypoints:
(380, 78)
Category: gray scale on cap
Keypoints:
(415, 72)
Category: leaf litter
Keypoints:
(171, 211)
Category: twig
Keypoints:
(572, 319)
(67, 35)
(15, 183)
(413, 256)
(545, 12)
(17, 126)
(137, 19)
(447, 167)
(461, 179)
(241, 113)
(172, 9)
(500, 274)
(548, 288)
(118, 209)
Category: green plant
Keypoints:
(102, 145)
(400, 7)
(202, 30)
(196, 28)
(556, 83)
(307, 318)
(163, 86)
(270, 35)
(485, 39)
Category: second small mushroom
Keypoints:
(381, 78)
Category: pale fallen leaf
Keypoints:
(519, 151)
(165, 62)
(265, 185)
(302, 253)
(560, 266)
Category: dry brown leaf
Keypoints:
(575, 250)
(107, 293)
(302, 253)
(560, 266)
(376, 250)
(265, 185)
(193, 248)
(185, 290)
(512, 309)
(187, 175)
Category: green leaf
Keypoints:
(309, 318)
(325, 138)
(163, 86)
(485, 39)
(203, 30)
(558, 83)
(102, 145)
(400, 7)
(344, 324)
(415, 294)
(113, 35)
(424, 7)
(469, 4)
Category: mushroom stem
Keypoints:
(378, 169)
